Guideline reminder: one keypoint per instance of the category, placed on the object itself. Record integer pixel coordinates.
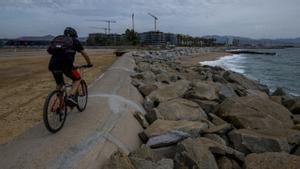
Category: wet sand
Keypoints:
(26, 81)
(209, 56)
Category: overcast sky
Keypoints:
(250, 18)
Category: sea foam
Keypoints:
(232, 62)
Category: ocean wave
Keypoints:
(232, 62)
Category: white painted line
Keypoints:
(98, 78)
(121, 68)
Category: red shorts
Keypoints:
(72, 74)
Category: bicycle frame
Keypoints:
(65, 91)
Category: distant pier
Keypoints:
(250, 52)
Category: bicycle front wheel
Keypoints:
(82, 96)
(55, 111)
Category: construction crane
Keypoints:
(155, 19)
(108, 23)
(103, 28)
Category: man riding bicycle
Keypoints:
(63, 49)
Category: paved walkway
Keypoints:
(90, 137)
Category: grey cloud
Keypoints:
(254, 18)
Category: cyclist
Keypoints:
(63, 49)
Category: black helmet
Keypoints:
(70, 32)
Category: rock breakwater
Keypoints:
(207, 117)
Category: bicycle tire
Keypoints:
(84, 89)
(46, 112)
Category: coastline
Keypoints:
(182, 96)
(206, 56)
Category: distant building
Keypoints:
(30, 41)
(170, 39)
(104, 39)
(152, 38)
(236, 42)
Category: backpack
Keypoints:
(61, 45)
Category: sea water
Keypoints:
(280, 70)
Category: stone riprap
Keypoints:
(207, 117)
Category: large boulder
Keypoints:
(227, 163)
(199, 152)
(257, 93)
(161, 127)
(272, 161)
(243, 81)
(146, 164)
(255, 112)
(264, 140)
(181, 109)
(147, 89)
(118, 161)
(203, 91)
(143, 66)
(226, 92)
(295, 109)
(216, 138)
(207, 105)
(219, 149)
(171, 91)
(220, 129)
(296, 118)
(216, 120)
(145, 152)
(145, 77)
(192, 155)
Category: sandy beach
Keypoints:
(26, 81)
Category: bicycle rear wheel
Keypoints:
(82, 96)
(55, 111)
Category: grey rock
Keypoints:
(216, 120)
(226, 92)
(203, 91)
(227, 163)
(192, 155)
(296, 118)
(141, 119)
(207, 105)
(261, 94)
(219, 149)
(143, 66)
(295, 109)
(220, 129)
(218, 78)
(171, 91)
(165, 164)
(216, 138)
(118, 161)
(147, 89)
(160, 127)
(296, 151)
(165, 152)
(181, 109)
(143, 164)
(271, 160)
(145, 152)
(264, 140)
(167, 139)
(242, 80)
(255, 112)
(279, 92)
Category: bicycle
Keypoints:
(55, 107)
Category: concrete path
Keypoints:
(90, 137)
